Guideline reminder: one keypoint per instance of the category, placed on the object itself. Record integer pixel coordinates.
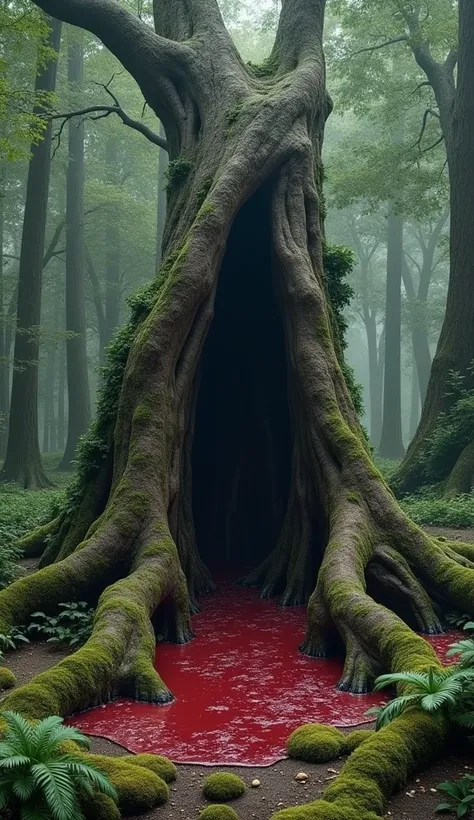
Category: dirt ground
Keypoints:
(278, 787)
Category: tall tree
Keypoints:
(161, 203)
(391, 441)
(79, 410)
(202, 367)
(112, 244)
(23, 460)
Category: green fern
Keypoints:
(443, 693)
(37, 780)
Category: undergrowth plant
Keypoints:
(38, 781)
(460, 793)
(72, 626)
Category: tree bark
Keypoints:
(61, 435)
(23, 460)
(391, 441)
(79, 410)
(4, 367)
(112, 245)
(161, 201)
(455, 349)
(243, 255)
(414, 402)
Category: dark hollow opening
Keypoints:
(242, 444)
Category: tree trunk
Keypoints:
(4, 368)
(79, 410)
(99, 308)
(112, 246)
(455, 349)
(414, 402)
(236, 320)
(161, 201)
(61, 437)
(49, 424)
(391, 441)
(23, 459)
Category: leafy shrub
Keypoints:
(461, 794)
(72, 626)
(39, 780)
(223, 786)
(315, 743)
(464, 648)
(427, 510)
(448, 693)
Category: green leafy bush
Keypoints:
(428, 510)
(461, 794)
(38, 780)
(223, 786)
(72, 626)
(447, 693)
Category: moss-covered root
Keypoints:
(119, 655)
(100, 807)
(379, 767)
(138, 787)
(354, 739)
(34, 543)
(218, 812)
(223, 786)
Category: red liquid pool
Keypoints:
(241, 687)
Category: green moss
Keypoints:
(139, 789)
(223, 786)
(99, 807)
(7, 678)
(264, 70)
(354, 498)
(177, 172)
(354, 739)
(315, 743)
(218, 813)
(321, 810)
(161, 766)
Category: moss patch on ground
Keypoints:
(223, 786)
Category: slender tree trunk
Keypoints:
(421, 347)
(414, 402)
(23, 459)
(161, 201)
(391, 441)
(112, 246)
(375, 383)
(99, 308)
(49, 432)
(455, 349)
(240, 299)
(4, 368)
(61, 437)
(79, 411)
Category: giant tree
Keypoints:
(231, 354)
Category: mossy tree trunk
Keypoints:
(243, 234)
(455, 351)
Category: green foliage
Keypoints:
(464, 648)
(457, 619)
(218, 812)
(426, 509)
(41, 781)
(461, 794)
(454, 429)
(223, 786)
(72, 626)
(444, 693)
(315, 743)
(12, 639)
(177, 172)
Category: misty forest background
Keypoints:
(386, 199)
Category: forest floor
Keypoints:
(278, 787)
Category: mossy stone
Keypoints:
(161, 766)
(315, 743)
(99, 807)
(7, 678)
(223, 786)
(218, 812)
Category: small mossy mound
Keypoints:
(353, 740)
(315, 743)
(218, 812)
(99, 807)
(7, 678)
(138, 788)
(161, 766)
(323, 811)
(223, 786)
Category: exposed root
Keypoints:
(360, 667)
